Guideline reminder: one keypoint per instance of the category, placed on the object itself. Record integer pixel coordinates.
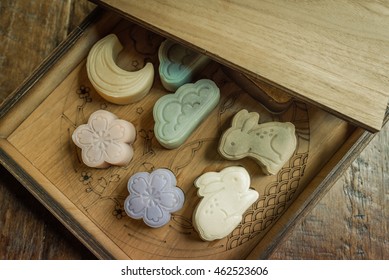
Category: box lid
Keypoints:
(333, 54)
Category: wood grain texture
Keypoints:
(29, 31)
(18, 213)
(28, 230)
(333, 54)
(83, 205)
(92, 196)
(351, 221)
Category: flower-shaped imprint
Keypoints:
(178, 64)
(177, 115)
(153, 197)
(105, 140)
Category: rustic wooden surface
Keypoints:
(29, 31)
(350, 222)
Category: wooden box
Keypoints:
(36, 147)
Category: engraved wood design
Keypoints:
(92, 200)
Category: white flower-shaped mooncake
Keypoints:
(105, 140)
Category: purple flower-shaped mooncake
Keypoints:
(153, 196)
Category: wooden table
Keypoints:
(350, 221)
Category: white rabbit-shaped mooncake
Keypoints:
(226, 196)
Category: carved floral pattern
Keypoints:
(153, 197)
(103, 191)
(105, 140)
(86, 177)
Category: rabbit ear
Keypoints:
(208, 183)
(240, 118)
(251, 122)
(245, 120)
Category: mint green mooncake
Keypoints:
(177, 115)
